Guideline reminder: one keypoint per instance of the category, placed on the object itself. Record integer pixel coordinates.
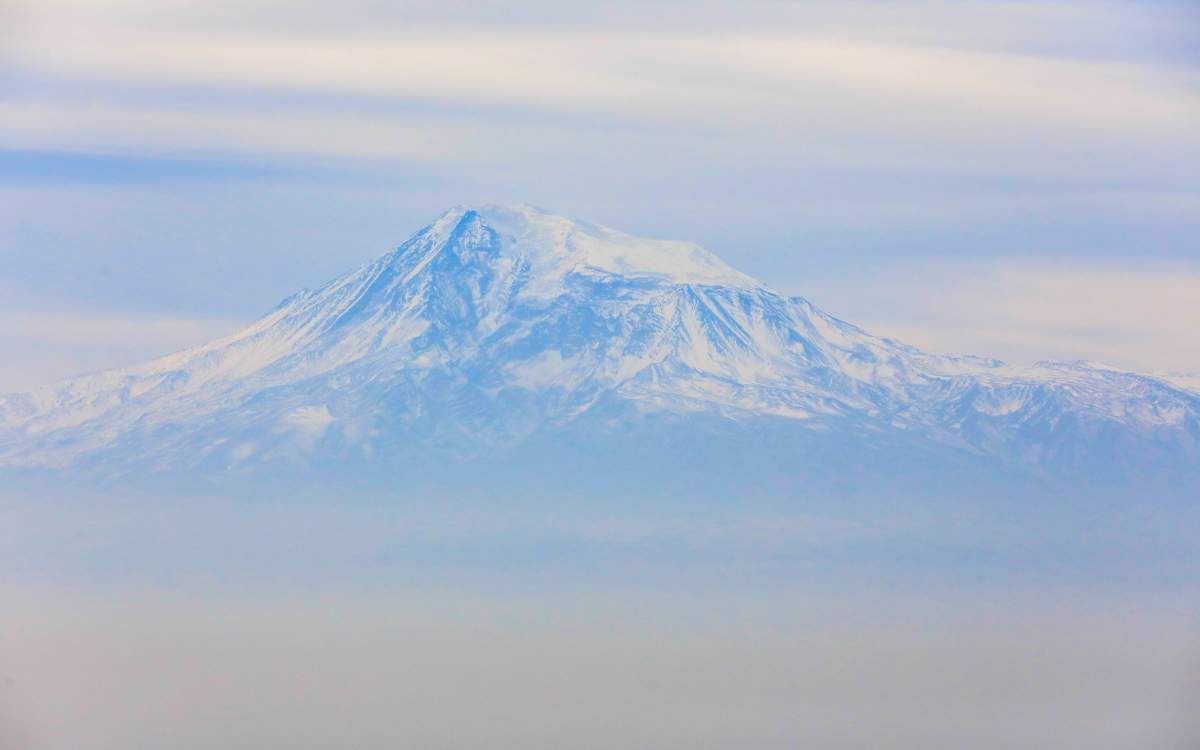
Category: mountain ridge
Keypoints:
(492, 324)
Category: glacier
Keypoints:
(499, 332)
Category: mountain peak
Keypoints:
(494, 325)
(554, 246)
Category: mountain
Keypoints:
(495, 329)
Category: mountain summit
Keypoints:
(493, 327)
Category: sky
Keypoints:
(1006, 178)
(1010, 178)
(1013, 179)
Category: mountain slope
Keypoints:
(493, 325)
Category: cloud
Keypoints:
(45, 346)
(1141, 318)
(499, 90)
(151, 130)
(1100, 27)
(33, 167)
(789, 93)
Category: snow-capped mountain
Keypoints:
(492, 326)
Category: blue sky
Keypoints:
(1008, 178)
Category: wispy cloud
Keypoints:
(45, 346)
(1027, 311)
(28, 166)
(856, 99)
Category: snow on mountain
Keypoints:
(1186, 380)
(492, 324)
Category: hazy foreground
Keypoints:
(290, 624)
